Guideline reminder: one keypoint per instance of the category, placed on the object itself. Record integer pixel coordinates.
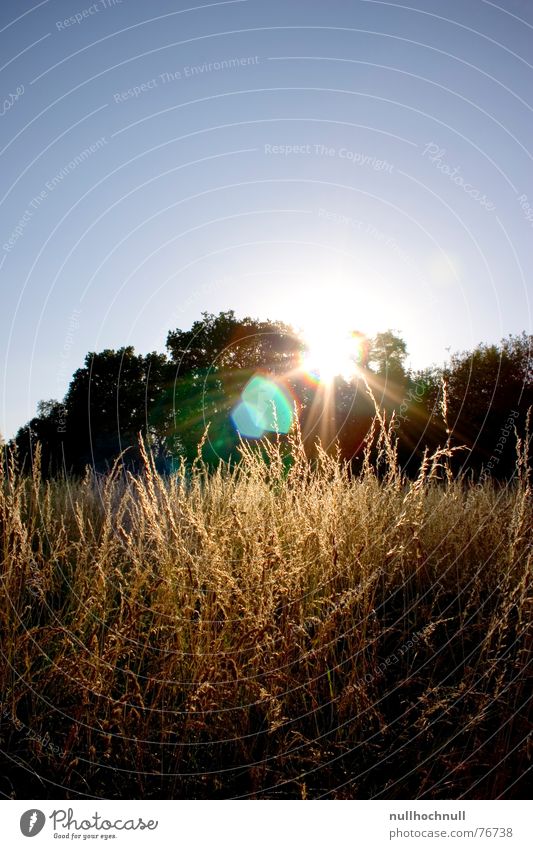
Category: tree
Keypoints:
(223, 341)
(486, 387)
(387, 355)
(118, 394)
(46, 428)
(109, 402)
(483, 394)
(212, 363)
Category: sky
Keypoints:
(355, 164)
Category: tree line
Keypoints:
(477, 400)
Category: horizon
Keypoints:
(305, 367)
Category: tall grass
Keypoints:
(266, 631)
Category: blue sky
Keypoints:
(364, 163)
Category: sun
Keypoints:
(330, 352)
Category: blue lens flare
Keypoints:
(264, 407)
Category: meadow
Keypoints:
(266, 630)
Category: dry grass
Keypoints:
(265, 631)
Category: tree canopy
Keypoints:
(170, 398)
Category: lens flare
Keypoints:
(333, 354)
(264, 407)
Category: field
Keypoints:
(266, 631)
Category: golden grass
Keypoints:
(264, 630)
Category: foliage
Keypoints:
(388, 353)
(211, 365)
(170, 399)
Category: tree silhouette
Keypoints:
(387, 355)
(170, 399)
(108, 404)
(212, 363)
(486, 387)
